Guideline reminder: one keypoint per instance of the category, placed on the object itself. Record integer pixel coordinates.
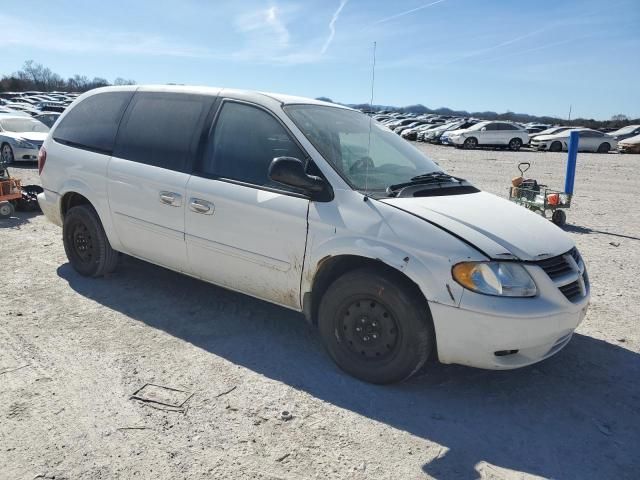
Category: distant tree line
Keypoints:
(35, 76)
(617, 121)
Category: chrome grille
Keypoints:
(568, 273)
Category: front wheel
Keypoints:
(375, 327)
(604, 148)
(471, 142)
(7, 154)
(86, 243)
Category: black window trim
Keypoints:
(197, 165)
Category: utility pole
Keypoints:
(569, 119)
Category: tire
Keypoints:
(6, 209)
(471, 142)
(515, 144)
(7, 153)
(86, 243)
(604, 147)
(555, 147)
(559, 218)
(374, 327)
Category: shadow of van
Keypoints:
(576, 415)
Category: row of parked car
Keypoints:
(474, 133)
(25, 120)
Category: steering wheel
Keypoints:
(363, 163)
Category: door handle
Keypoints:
(171, 198)
(201, 206)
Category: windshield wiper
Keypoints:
(428, 180)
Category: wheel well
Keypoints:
(330, 268)
(70, 200)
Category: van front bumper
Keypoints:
(501, 339)
(49, 202)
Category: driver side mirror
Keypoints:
(483, 129)
(291, 171)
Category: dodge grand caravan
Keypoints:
(317, 208)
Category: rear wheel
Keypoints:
(604, 148)
(515, 144)
(471, 142)
(6, 209)
(555, 147)
(375, 327)
(7, 153)
(86, 243)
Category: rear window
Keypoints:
(93, 123)
(162, 129)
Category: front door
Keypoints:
(244, 231)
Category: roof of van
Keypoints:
(282, 98)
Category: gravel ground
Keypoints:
(73, 351)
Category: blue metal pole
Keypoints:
(572, 157)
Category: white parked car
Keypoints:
(590, 141)
(314, 207)
(20, 137)
(490, 134)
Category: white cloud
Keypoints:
(332, 26)
(406, 12)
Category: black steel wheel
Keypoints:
(471, 142)
(86, 243)
(376, 326)
(604, 147)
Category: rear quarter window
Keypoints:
(93, 123)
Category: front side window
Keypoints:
(366, 154)
(93, 123)
(245, 141)
(23, 125)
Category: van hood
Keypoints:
(497, 227)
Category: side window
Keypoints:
(162, 129)
(93, 123)
(493, 126)
(245, 141)
(508, 126)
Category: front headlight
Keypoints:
(507, 279)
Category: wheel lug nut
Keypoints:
(358, 329)
(365, 338)
(374, 324)
(374, 336)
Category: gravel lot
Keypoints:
(73, 351)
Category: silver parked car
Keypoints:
(21, 138)
(590, 141)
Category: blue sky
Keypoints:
(525, 56)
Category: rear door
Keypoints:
(148, 173)
(244, 231)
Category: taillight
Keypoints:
(42, 158)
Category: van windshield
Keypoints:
(366, 154)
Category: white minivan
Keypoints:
(317, 208)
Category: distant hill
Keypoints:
(618, 121)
